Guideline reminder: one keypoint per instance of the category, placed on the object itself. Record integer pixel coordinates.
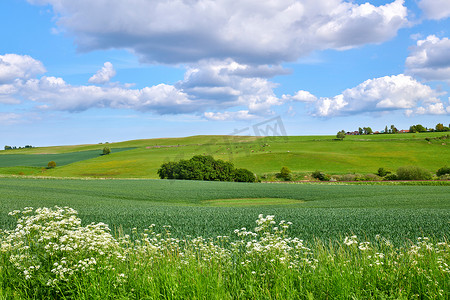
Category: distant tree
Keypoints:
(360, 130)
(386, 129)
(420, 128)
(393, 129)
(367, 130)
(340, 135)
(440, 127)
(51, 165)
(8, 148)
(413, 129)
(106, 151)
(285, 173)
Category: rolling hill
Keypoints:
(302, 154)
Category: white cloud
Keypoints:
(383, 94)
(226, 84)
(103, 75)
(58, 95)
(433, 109)
(430, 59)
(247, 31)
(435, 9)
(13, 66)
(9, 118)
(208, 85)
(301, 96)
(7, 92)
(229, 115)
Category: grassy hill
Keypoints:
(302, 154)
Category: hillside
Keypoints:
(302, 154)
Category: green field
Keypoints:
(12, 159)
(324, 211)
(302, 154)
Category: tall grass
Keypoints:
(50, 255)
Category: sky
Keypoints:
(92, 71)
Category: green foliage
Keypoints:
(106, 151)
(417, 128)
(382, 172)
(51, 165)
(413, 173)
(244, 175)
(368, 130)
(286, 173)
(320, 176)
(443, 171)
(340, 135)
(391, 177)
(204, 167)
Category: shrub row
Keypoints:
(204, 167)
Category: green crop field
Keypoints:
(262, 155)
(194, 208)
(11, 159)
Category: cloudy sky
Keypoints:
(91, 71)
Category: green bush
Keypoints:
(382, 172)
(443, 171)
(204, 167)
(106, 151)
(244, 175)
(51, 165)
(391, 177)
(285, 173)
(413, 173)
(320, 175)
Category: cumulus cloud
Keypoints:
(247, 31)
(227, 84)
(383, 94)
(301, 96)
(59, 95)
(13, 66)
(430, 59)
(208, 85)
(435, 9)
(103, 75)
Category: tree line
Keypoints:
(14, 147)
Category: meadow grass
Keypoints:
(50, 255)
(302, 154)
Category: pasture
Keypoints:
(324, 211)
(262, 155)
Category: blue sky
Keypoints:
(95, 71)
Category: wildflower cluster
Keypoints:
(51, 244)
(50, 251)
